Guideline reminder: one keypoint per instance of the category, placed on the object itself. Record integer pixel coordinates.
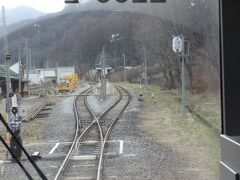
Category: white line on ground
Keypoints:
(53, 141)
(78, 178)
(121, 147)
(2, 162)
(129, 155)
(84, 157)
(54, 148)
(89, 142)
(84, 165)
(66, 142)
(110, 154)
(45, 143)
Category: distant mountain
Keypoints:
(77, 38)
(21, 13)
(77, 35)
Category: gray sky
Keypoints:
(41, 5)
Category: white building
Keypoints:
(33, 77)
(48, 75)
(107, 70)
(64, 71)
(38, 76)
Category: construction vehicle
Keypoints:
(67, 83)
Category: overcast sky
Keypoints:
(41, 5)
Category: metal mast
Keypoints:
(20, 69)
(27, 63)
(103, 79)
(183, 77)
(124, 67)
(145, 64)
(6, 52)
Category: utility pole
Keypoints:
(27, 63)
(12, 118)
(30, 58)
(140, 82)
(181, 47)
(145, 63)
(114, 59)
(124, 67)
(19, 70)
(115, 51)
(6, 51)
(114, 39)
(34, 63)
(183, 86)
(103, 80)
(183, 77)
(7, 64)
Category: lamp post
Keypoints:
(145, 64)
(103, 78)
(37, 49)
(114, 38)
(124, 69)
(7, 64)
(37, 26)
(115, 48)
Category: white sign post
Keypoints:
(178, 45)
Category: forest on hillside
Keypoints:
(76, 37)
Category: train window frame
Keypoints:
(230, 137)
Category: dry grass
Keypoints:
(199, 145)
(208, 106)
(32, 132)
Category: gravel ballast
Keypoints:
(58, 127)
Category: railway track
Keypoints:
(86, 154)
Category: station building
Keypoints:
(41, 76)
(13, 77)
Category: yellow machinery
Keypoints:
(67, 83)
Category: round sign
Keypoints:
(177, 44)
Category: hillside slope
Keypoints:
(77, 38)
(21, 13)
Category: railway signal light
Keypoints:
(14, 125)
(14, 110)
(8, 57)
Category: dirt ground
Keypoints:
(31, 131)
(193, 147)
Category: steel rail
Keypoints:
(83, 134)
(110, 129)
(103, 139)
(65, 162)
(96, 119)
